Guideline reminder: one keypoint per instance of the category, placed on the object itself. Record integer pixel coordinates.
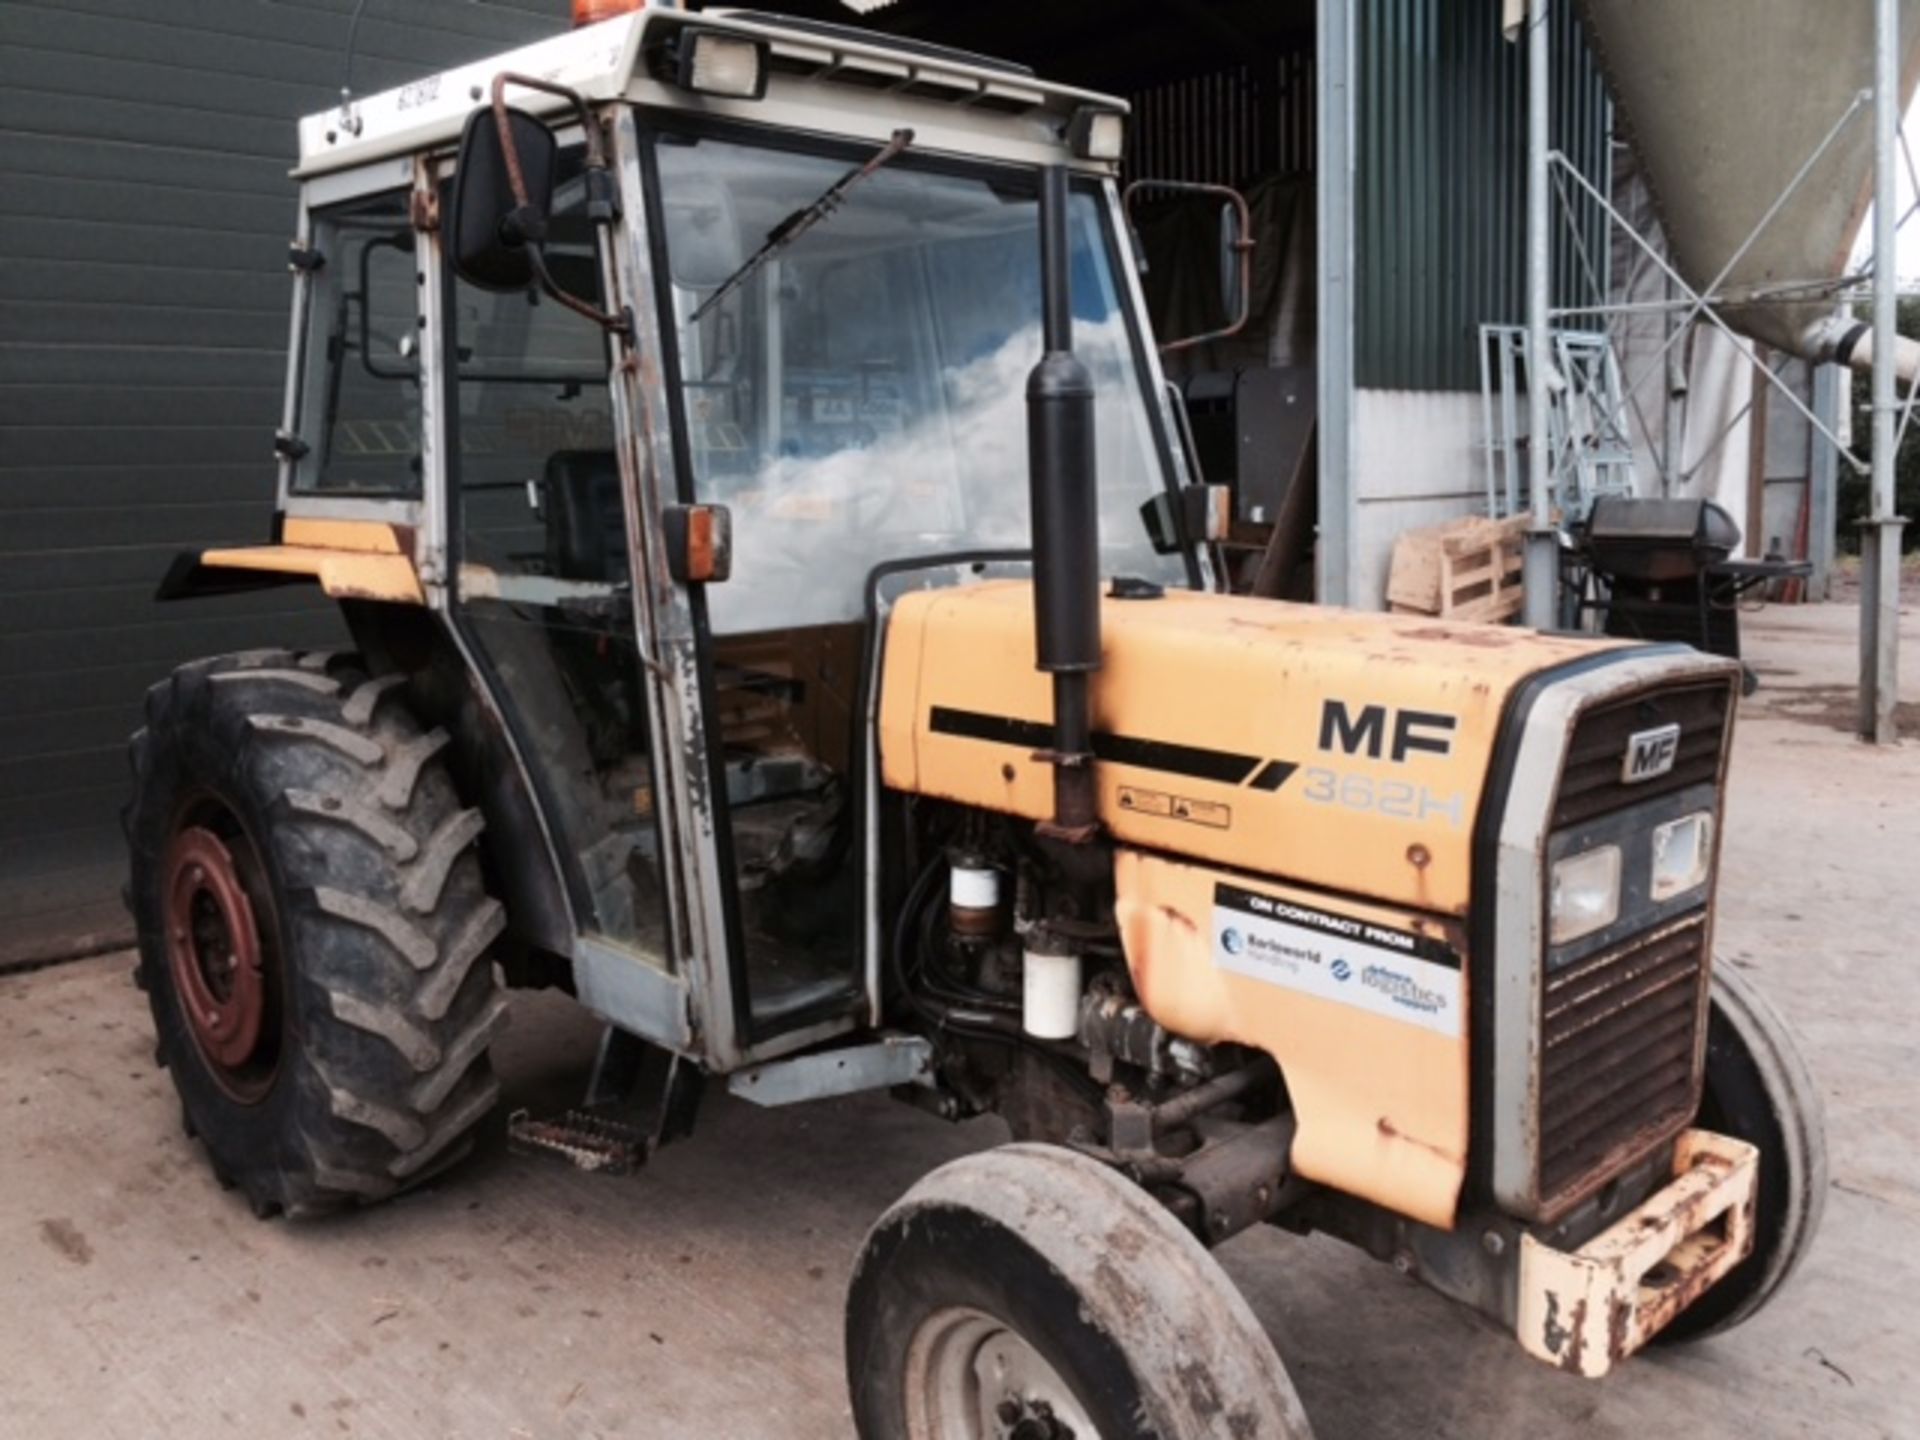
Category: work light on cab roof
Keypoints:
(710, 63)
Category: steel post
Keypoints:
(1336, 22)
(1880, 557)
(1831, 388)
(1542, 566)
(1672, 452)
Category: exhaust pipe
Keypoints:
(1062, 492)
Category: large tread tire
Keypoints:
(1758, 1089)
(371, 911)
(1127, 1308)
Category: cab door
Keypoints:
(550, 608)
(757, 734)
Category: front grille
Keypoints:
(1619, 1054)
(1591, 785)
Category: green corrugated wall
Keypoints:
(1440, 185)
(145, 212)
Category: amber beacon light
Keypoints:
(592, 12)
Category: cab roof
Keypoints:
(825, 78)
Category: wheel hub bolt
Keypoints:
(1040, 1425)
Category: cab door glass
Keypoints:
(544, 583)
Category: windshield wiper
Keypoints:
(804, 219)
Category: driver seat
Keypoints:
(586, 524)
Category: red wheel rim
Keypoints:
(216, 958)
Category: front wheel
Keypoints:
(1758, 1089)
(1031, 1293)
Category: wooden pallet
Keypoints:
(1468, 569)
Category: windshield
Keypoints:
(861, 396)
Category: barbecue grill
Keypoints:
(1661, 569)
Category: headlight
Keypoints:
(1585, 894)
(1682, 855)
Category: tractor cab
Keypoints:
(787, 293)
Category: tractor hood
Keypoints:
(1336, 748)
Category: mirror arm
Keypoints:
(596, 145)
(528, 223)
(1242, 244)
(621, 324)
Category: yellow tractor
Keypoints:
(786, 620)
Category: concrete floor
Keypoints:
(518, 1298)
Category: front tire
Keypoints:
(313, 928)
(1758, 1089)
(1032, 1292)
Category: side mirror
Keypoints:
(1236, 274)
(503, 197)
(1235, 250)
(494, 232)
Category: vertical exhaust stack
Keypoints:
(1065, 508)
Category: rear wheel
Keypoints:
(313, 929)
(1758, 1089)
(1030, 1293)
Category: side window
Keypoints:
(360, 380)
